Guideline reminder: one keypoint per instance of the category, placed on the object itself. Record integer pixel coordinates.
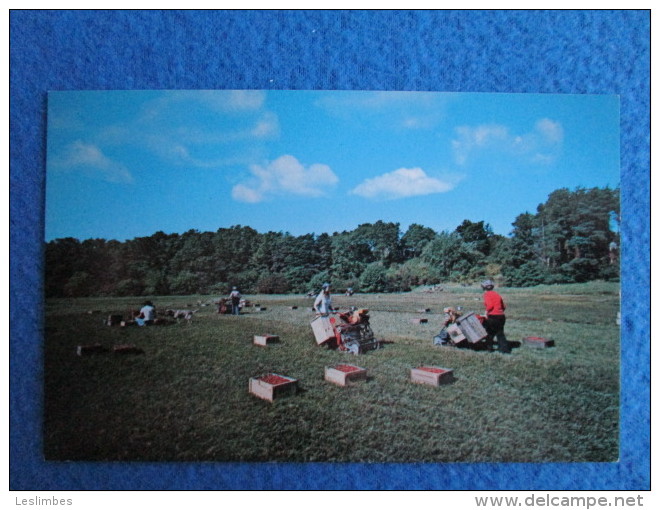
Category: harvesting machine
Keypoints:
(346, 331)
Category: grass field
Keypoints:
(186, 398)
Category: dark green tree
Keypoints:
(476, 233)
(377, 242)
(454, 258)
(63, 259)
(233, 249)
(415, 239)
(348, 258)
(374, 278)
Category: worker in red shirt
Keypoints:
(495, 318)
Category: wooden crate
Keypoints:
(538, 342)
(419, 321)
(433, 376)
(85, 350)
(272, 386)
(114, 320)
(265, 339)
(471, 327)
(455, 334)
(343, 374)
(127, 349)
(323, 330)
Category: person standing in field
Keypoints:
(495, 317)
(235, 297)
(323, 302)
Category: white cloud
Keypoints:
(541, 145)
(214, 100)
(398, 110)
(246, 99)
(191, 128)
(401, 183)
(193, 145)
(88, 158)
(243, 193)
(285, 176)
(543, 159)
(267, 126)
(426, 120)
(472, 138)
(550, 130)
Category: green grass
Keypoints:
(187, 397)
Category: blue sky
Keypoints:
(125, 164)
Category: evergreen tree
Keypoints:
(415, 239)
(454, 258)
(476, 233)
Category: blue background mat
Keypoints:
(568, 52)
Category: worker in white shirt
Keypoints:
(235, 297)
(323, 302)
(147, 314)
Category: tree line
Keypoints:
(572, 237)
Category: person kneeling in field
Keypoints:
(451, 314)
(147, 314)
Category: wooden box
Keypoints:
(433, 376)
(538, 342)
(343, 374)
(272, 386)
(84, 350)
(323, 330)
(455, 334)
(265, 339)
(127, 349)
(114, 320)
(471, 327)
(419, 321)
